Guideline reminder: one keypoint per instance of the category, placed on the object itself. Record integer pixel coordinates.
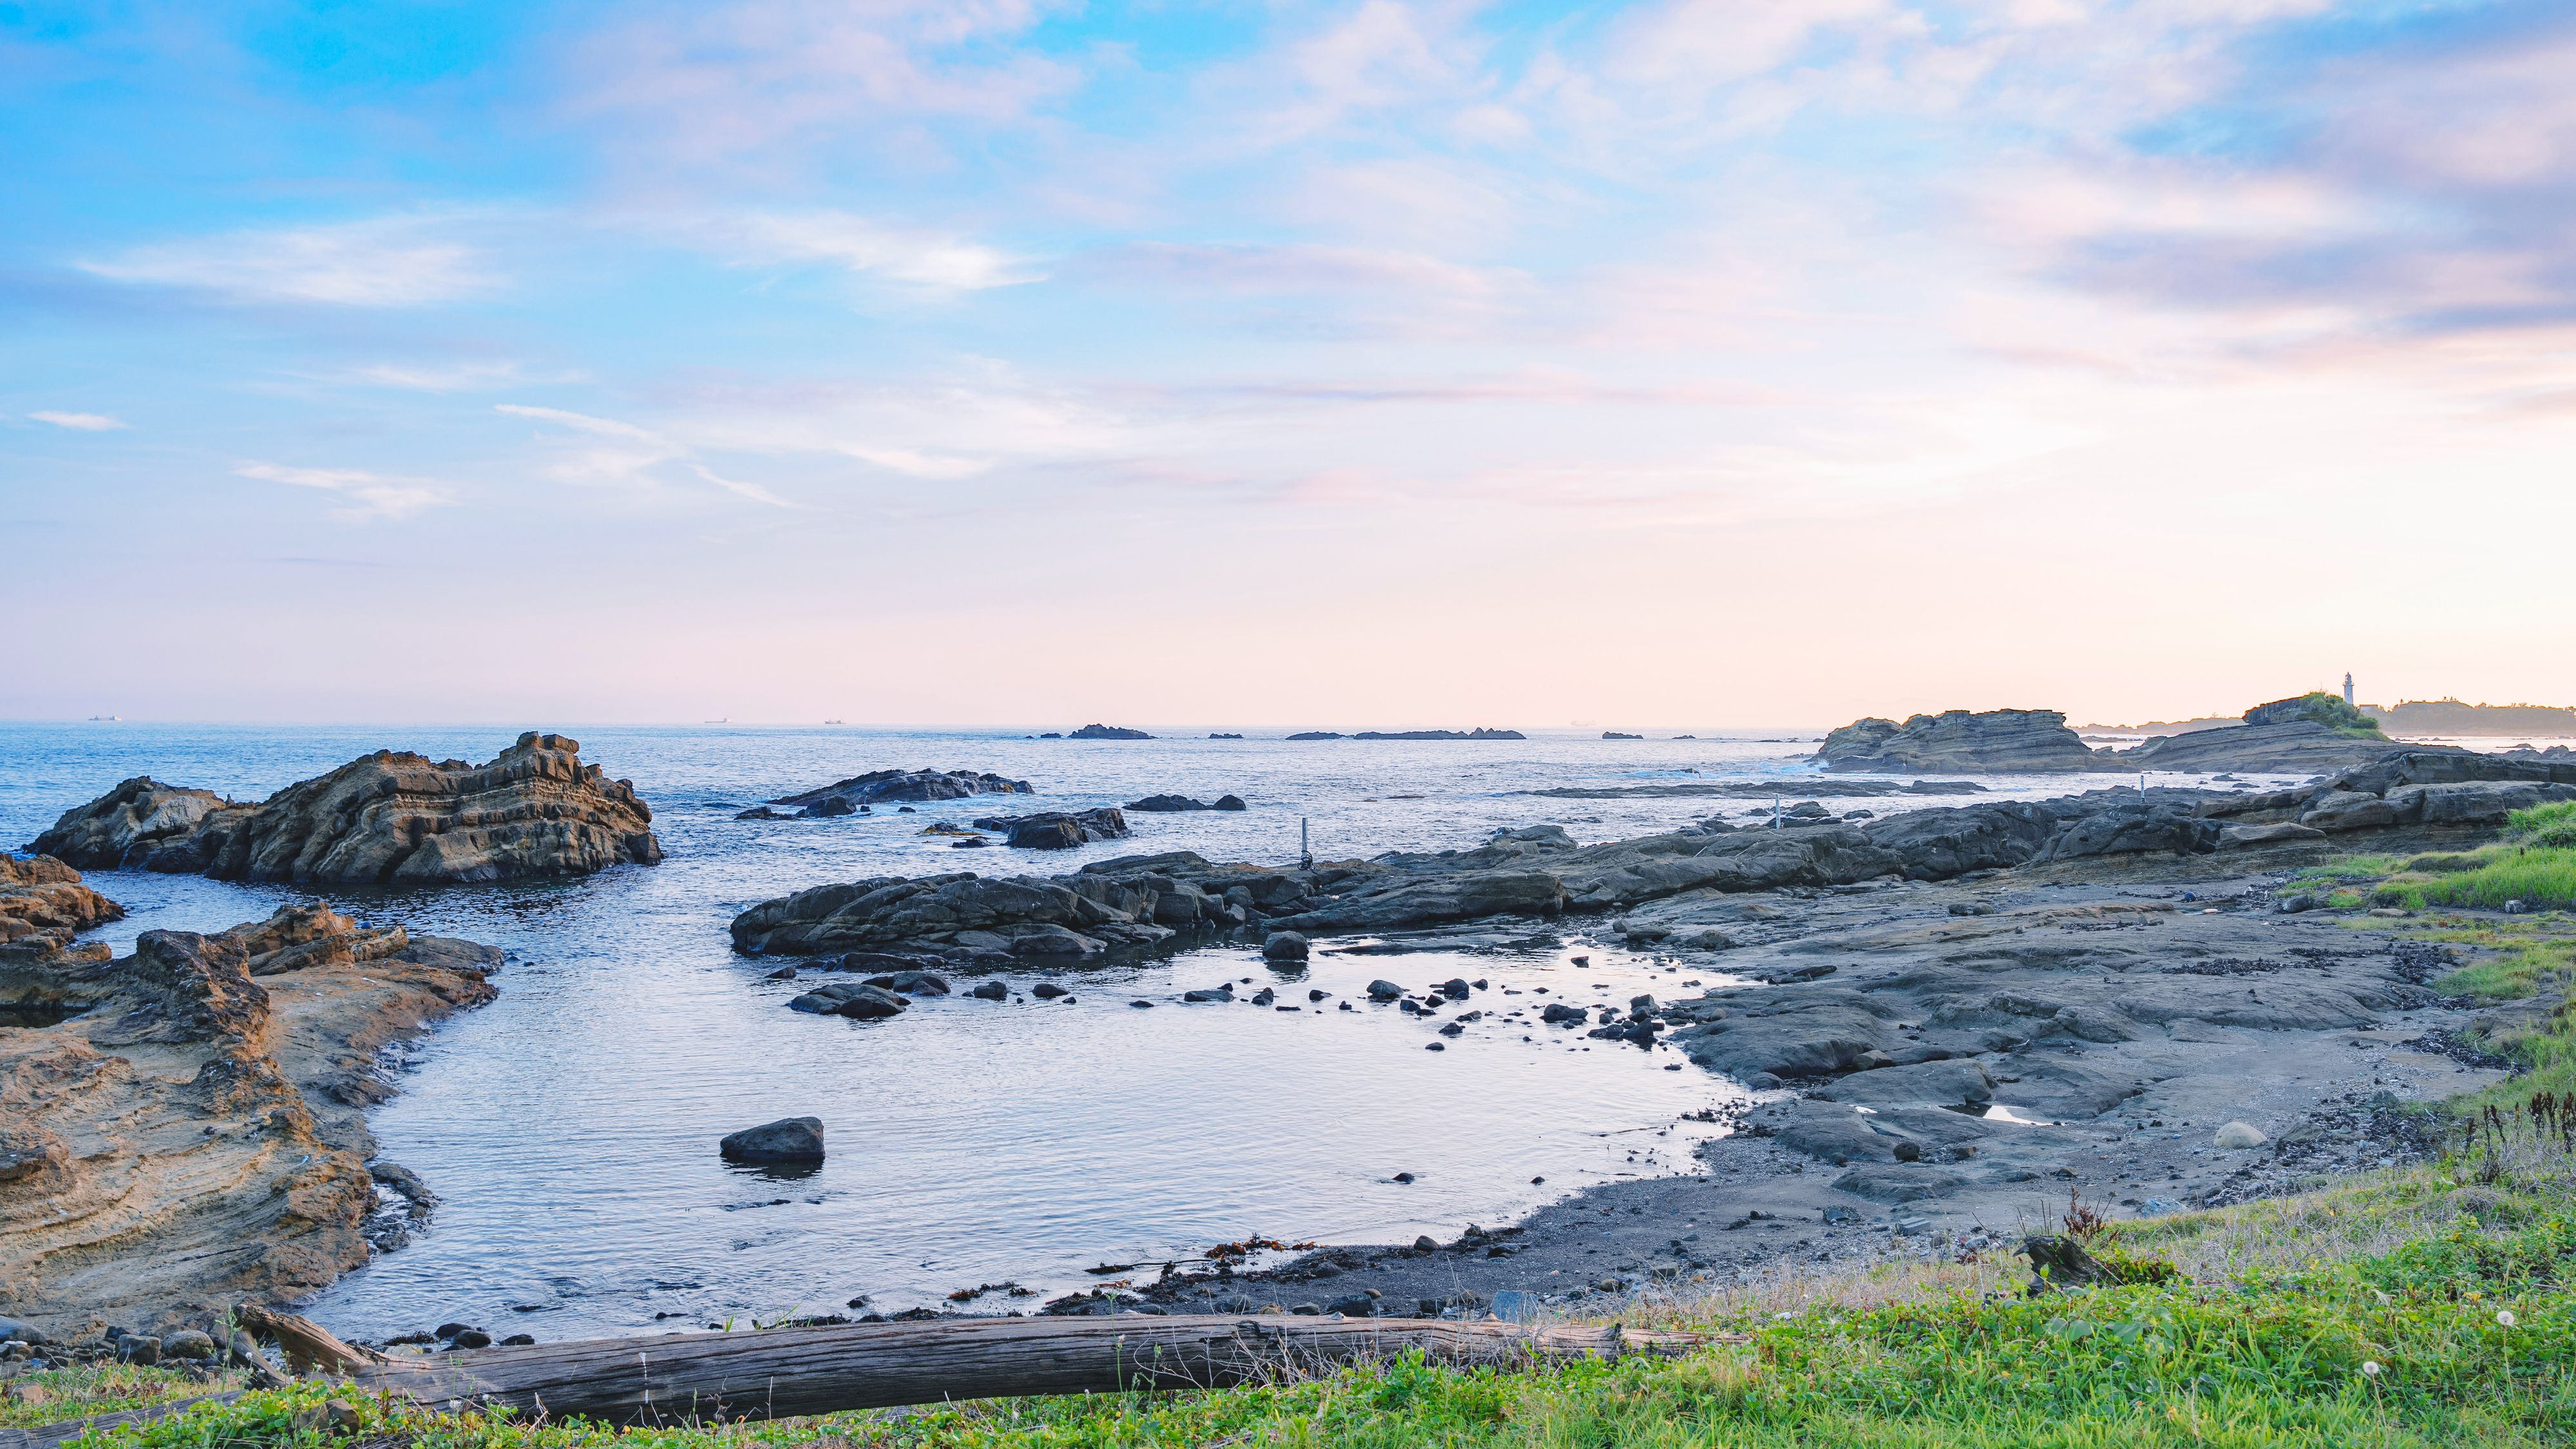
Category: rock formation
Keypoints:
(184, 1126)
(1108, 732)
(846, 796)
(2291, 747)
(1058, 829)
(2000, 742)
(1474, 734)
(386, 819)
(42, 906)
(1153, 804)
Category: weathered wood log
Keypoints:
(308, 1346)
(787, 1372)
(2061, 1262)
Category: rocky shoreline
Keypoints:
(1948, 1021)
(185, 1126)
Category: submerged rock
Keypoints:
(388, 818)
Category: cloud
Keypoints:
(632, 465)
(386, 262)
(709, 82)
(918, 259)
(454, 377)
(80, 422)
(373, 495)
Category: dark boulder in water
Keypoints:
(789, 1139)
(845, 797)
(1057, 829)
(1107, 732)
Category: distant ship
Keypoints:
(728, 719)
(836, 721)
(106, 718)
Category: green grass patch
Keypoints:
(2550, 827)
(85, 1389)
(2541, 877)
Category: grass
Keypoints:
(84, 1389)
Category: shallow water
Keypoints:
(570, 1127)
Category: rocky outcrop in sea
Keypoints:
(848, 797)
(390, 818)
(2002, 741)
(1058, 829)
(1474, 734)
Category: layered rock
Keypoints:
(389, 818)
(182, 1136)
(2398, 790)
(2000, 742)
(1108, 732)
(845, 797)
(43, 904)
(2290, 747)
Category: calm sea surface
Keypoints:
(571, 1126)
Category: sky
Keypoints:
(1700, 362)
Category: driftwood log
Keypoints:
(788, 1372)
(2058, 1261)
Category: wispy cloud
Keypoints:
(914, 258)
(708, 82)
(370, 495)
(385, 262)
(631, 455)
(79, 422)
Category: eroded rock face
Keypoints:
(185, 1136)
(389, 818)
(2002, 741)
(43, 904)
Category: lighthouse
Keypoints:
(2347, 687)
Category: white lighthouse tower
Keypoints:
(2347, 686)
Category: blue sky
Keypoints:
(1720, 361)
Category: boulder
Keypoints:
(2131, 829)
(1229, 802)
(789, 1139)
(2245, 837)
(2239, 1137)
(1058, 829)
(2340, 810)
(1157, 804)
(1939, 843)
(1284, 946)
(2003, 742)
(535, 811)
